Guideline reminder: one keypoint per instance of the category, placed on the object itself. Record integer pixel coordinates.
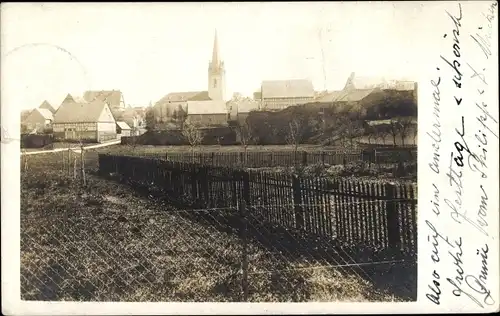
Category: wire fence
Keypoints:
(222, 255)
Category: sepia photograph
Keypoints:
(202, 153)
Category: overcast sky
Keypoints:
(149, 50)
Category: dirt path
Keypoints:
(75, 150)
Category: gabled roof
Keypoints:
(206, 107)
(297, 88)
(47, 114)
(122, 125)
(184, 97)
(79, 112)
(46, 105)
(357, 82)
(331, 96)
(354, 95)
(68, 99)
(112, 97)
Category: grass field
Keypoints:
(108, 242)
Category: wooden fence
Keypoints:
(260, 159)
(256, 159)
(350, 213)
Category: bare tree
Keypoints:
(245, 136)
(293, 137)
(369, 131)
(349, 131)
(193, 135)
(405, 126)
(394, 128)
(382, 135)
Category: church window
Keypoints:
(215, 83)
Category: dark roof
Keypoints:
(112, 97)
(184, 97)
(297, 88)
(347, 95)
(46, 105)
(79, 112)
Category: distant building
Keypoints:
(239, 109)
(166, 106)
(358, 89)
(84, 121)
(46, 105)
(114, 98)
(123, 129)
(280, 94)
(39, 120)
(207, 113)
(355, 83)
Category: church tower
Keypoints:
(216, 74)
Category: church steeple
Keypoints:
(216, 74)
(215, 52)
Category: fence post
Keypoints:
(82, 165)
(243, 207)
(297, 201)
(323, 158)
(304, 158)
(244, 250)
(393, 233)
(194, 185)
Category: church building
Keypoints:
(203, 107)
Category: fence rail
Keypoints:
(259, 159)
(368, 215)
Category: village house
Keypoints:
(46, 105)
(39, 120)
(71, 99)
(276, 95)
(84, 121)
(359, 90)
(114, 98)
(122, 129)
(240, 108)
(165, 108)
(207, 113)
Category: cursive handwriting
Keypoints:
(479, 284)
(458, 280)
(455, 65)
(483, 208)
(461, 145)
(483, 39)
(436, 126)
(483, 118)
(435, 288)
(435, 202)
